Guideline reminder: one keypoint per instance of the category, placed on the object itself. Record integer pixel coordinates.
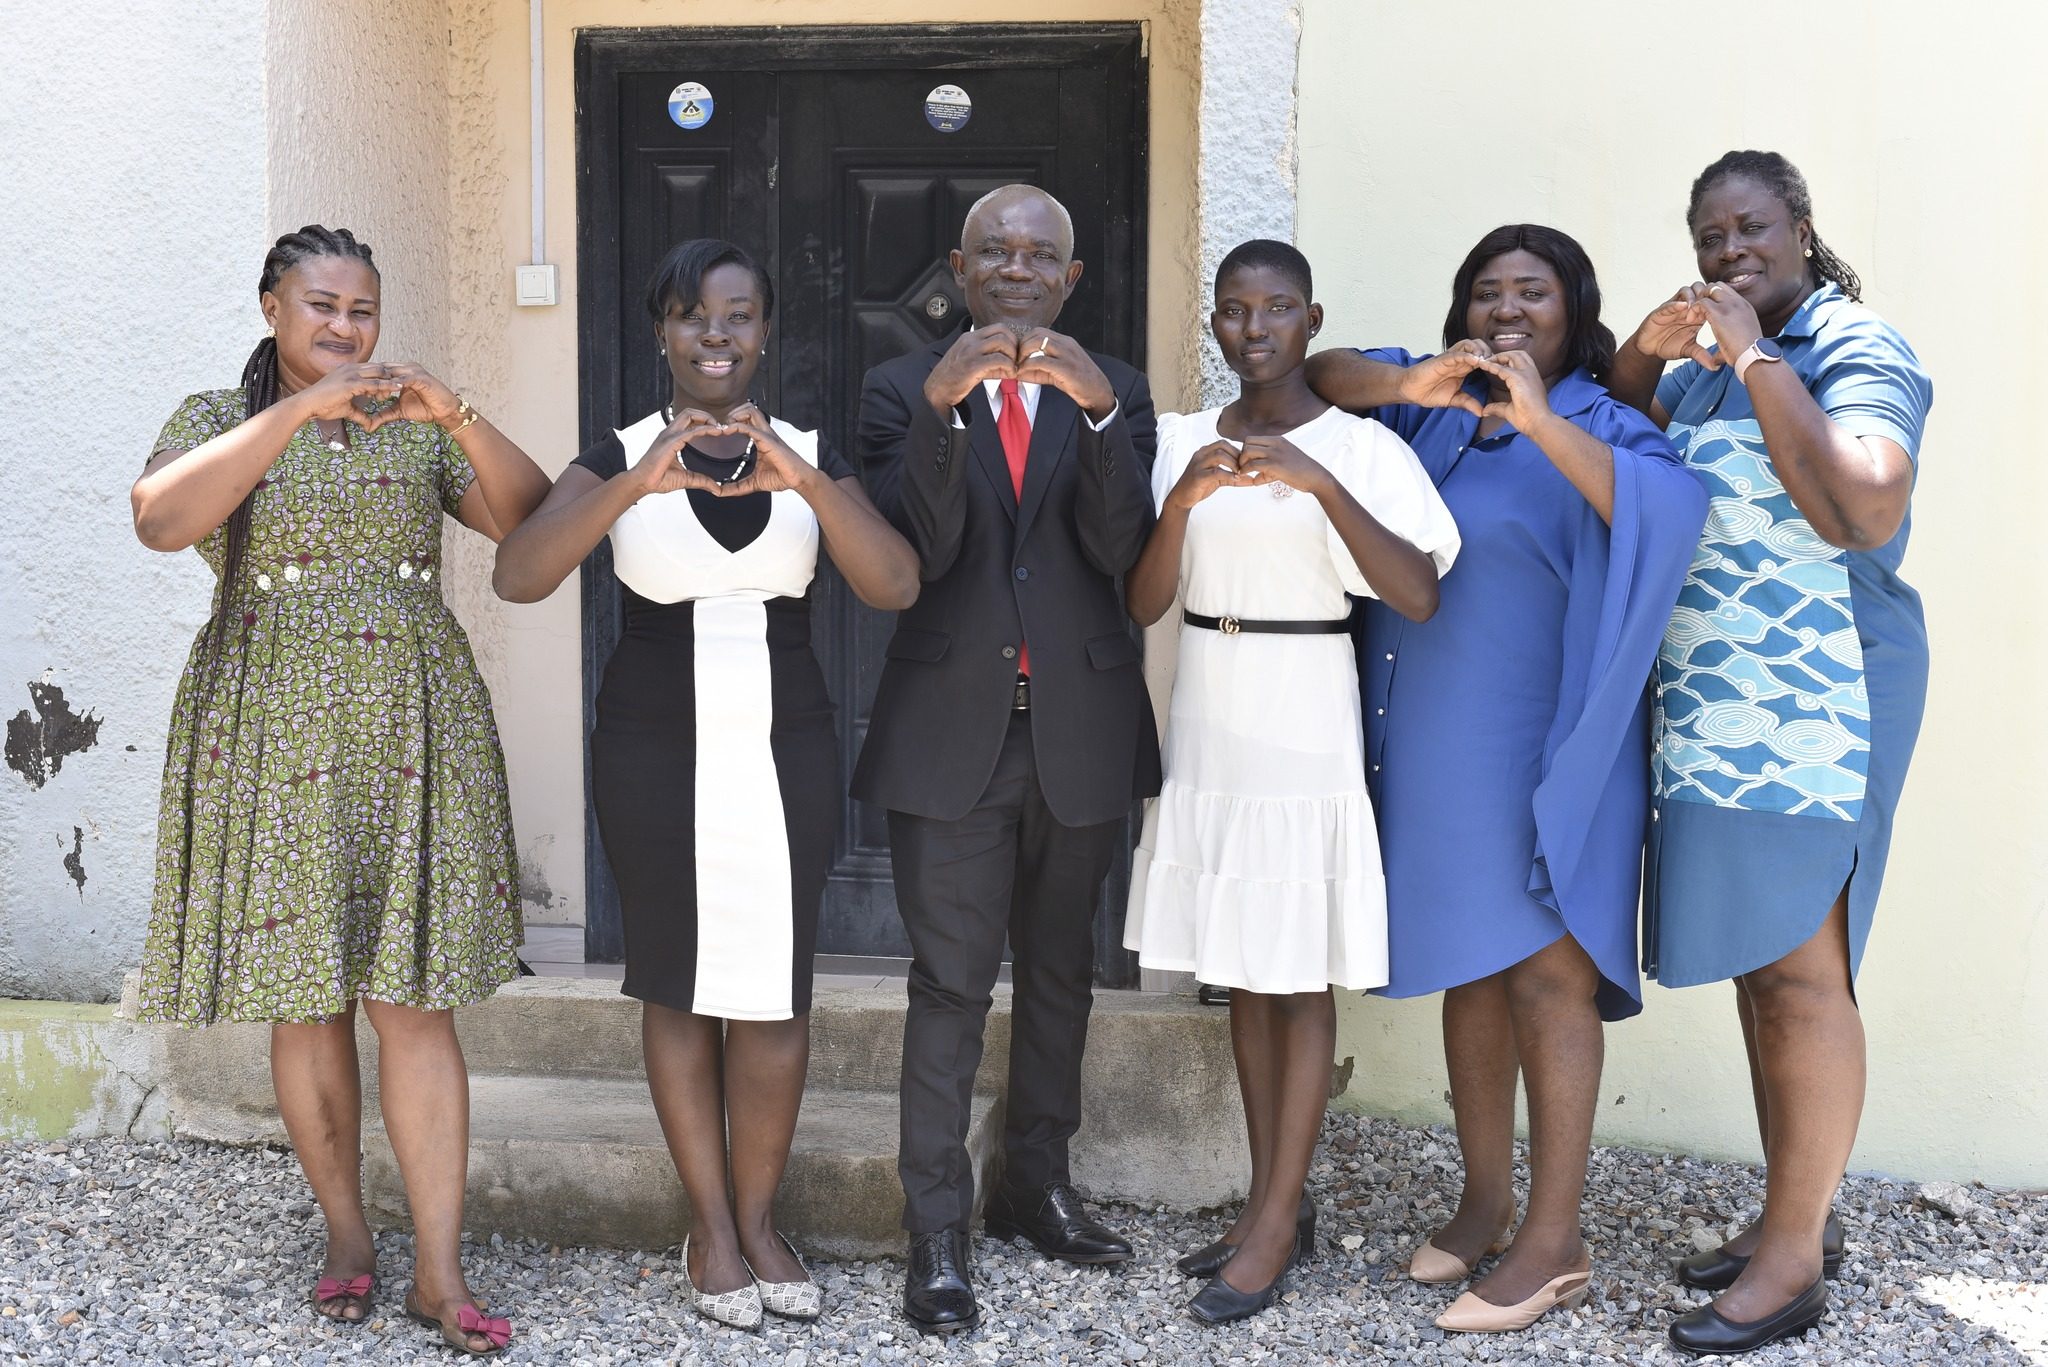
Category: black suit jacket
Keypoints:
(999, 570)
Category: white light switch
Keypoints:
(533, 286)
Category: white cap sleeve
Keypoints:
(1169, 457)
(1379, 470)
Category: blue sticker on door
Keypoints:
(689, 104)
(948, 108)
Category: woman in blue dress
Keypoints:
(1508, 736)
(1790, 688)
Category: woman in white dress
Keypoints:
(1261, 871)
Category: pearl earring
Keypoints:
(1809, 251)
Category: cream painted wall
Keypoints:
(132, 228)
(523, 361)
(1927, 149)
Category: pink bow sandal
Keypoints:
(469, 1322)
(354, 1290)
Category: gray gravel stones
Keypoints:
(120, 1252)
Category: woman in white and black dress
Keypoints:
(713, 763)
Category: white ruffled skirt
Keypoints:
(1259, 866)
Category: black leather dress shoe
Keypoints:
(1706, 1332)
(1717, 1268)
(1221, 1303)
(1207, 1262)
(937, 1296)
(1054, 1221)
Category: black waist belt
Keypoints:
(1231, 626)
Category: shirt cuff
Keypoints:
(1099, 426)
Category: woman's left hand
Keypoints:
(1731, 316)
(776, 466)
(1276, 460)
(1528, 400)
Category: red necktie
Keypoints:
(1013, 425)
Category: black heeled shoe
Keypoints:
(1706, 1332)
(1717, 1268)
(1208, 1261)
(1218, 1302)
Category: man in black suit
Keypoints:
(1011, 730)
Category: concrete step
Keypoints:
(1161, 1123)
(572, 1027)
(580, 1160)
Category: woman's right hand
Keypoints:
(1672, 331)
(1209, 469)
(661, 469)
(1439, 382)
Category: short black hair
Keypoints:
(1776, 173)
(679, 279)
(1590, 344)
(1262, 253)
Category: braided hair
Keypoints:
(1779, 176)
(260, 391)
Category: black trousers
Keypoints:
(1006, 867)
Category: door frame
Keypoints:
(602, 56)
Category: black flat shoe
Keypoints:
(1207, 1262)
(937, 1297)
(1717, 1268)
(1706, 1332)
(1221, 1303)
(1054, 1222)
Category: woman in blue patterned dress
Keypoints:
(1790, 687)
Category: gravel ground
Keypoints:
(121, 1252)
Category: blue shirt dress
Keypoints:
(1792, 679)
(1508, 736)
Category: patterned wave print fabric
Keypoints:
(1761, 703)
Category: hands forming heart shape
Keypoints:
(769, 465)
(369, 394)
(1003, 351)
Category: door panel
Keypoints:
(819, 161)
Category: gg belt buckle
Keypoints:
(1228, 626)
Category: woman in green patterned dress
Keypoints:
(334, 824)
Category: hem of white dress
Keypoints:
(1160, 965)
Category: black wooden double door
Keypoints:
(819, 158)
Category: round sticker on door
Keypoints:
(948, 108)
(689, 104)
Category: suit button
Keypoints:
(1108, 468)
(1023, 573)
(940, 465)
(1009, 652)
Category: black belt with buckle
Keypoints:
(1023, 703)
(1231, 626)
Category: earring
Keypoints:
(272, 332)
(1809, 251)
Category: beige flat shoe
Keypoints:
(740, 1307)
(1431, 1264)
(1471, 1315)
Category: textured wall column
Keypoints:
(1249, 58)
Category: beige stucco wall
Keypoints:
(1925, 139)
(523, 361)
